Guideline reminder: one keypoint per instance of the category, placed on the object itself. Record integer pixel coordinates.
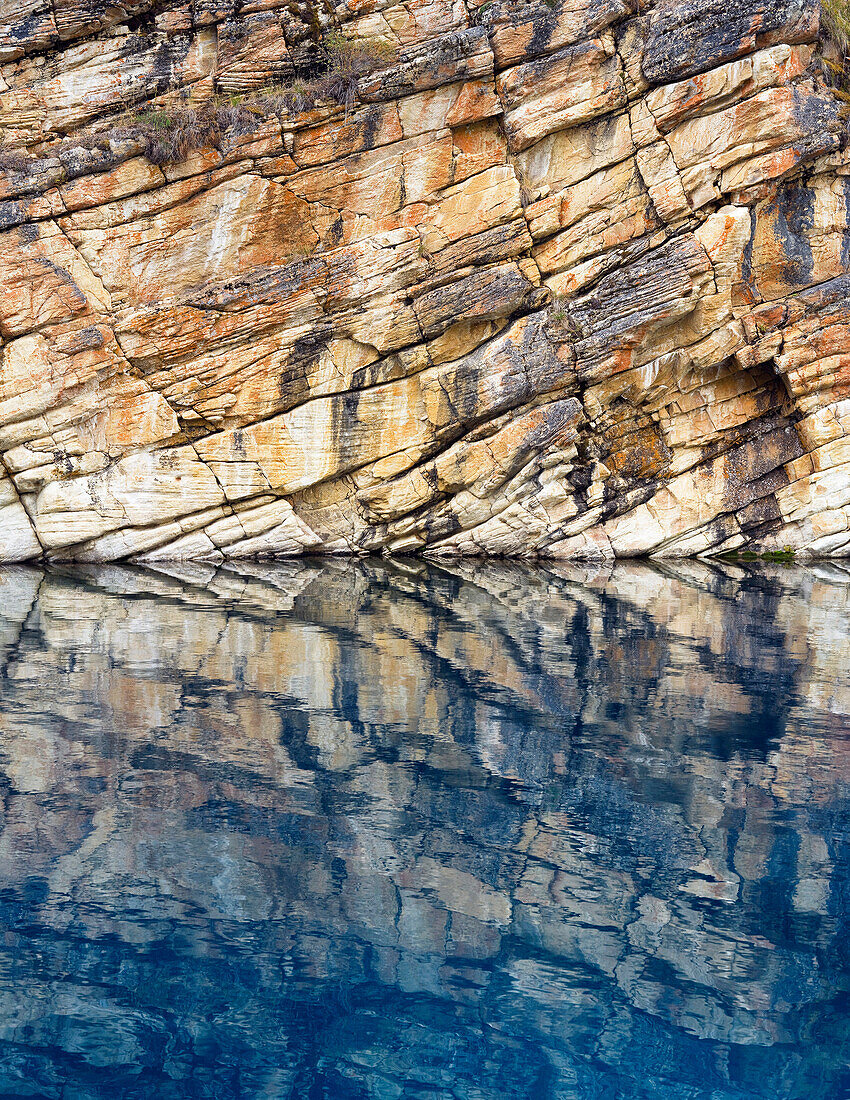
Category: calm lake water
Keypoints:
(375, 830)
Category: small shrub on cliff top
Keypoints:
(347, 60)
(278, 99)
(343, 60)
(171, 135)
(835, 50)
(835, 21)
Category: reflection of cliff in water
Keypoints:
(350, 830)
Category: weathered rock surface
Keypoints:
(569, 279)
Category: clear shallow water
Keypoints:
(332, 831)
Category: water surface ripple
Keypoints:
(337, 831)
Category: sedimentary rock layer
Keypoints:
(565, 278)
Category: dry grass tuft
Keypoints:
(835, 45)
(347, 60)
(835, 23)
(169, 136)
(342, 61)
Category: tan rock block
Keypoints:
(462, 338)
(570, 87)
(196, 546)
(590, 545)
(600, 213)
(822, 491)
(129, 178)
(829, 523)
(134, 420)
(480, 466)
(748, 181)
(830, 455)
(75, 85)
(18, 540)
(310, 444)
(23, 116)
(80, 436)
(39, 372)
(518, 32)
(201, 168)
(389, 323)
(251, 52)
(184, 184)
(175, 22)
(662, 179)
(452, 105)
(365, 128)
(704, 148)
(799, 468)
(477, 146)
(38, 24)
(239, 479)
(419, 20)
(825, 425)
(474, 205)
(671, 104)
(637, 532)
(563, 159)
(140, 490)
(644, 128)
(44, 280)
(368, 181)
(33, 480)
(215, 235)
(690, 500)
(428, 170)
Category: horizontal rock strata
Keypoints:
(561, 278)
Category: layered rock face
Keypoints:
(569, 279)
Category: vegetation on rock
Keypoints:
(835, 31)
(836, 22)
(169, 134)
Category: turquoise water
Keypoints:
(338, 831)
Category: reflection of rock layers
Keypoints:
(569, 278)
(375, 831)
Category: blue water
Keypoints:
(375, 830)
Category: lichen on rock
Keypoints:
(567, 278)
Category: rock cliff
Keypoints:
(564, 278)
